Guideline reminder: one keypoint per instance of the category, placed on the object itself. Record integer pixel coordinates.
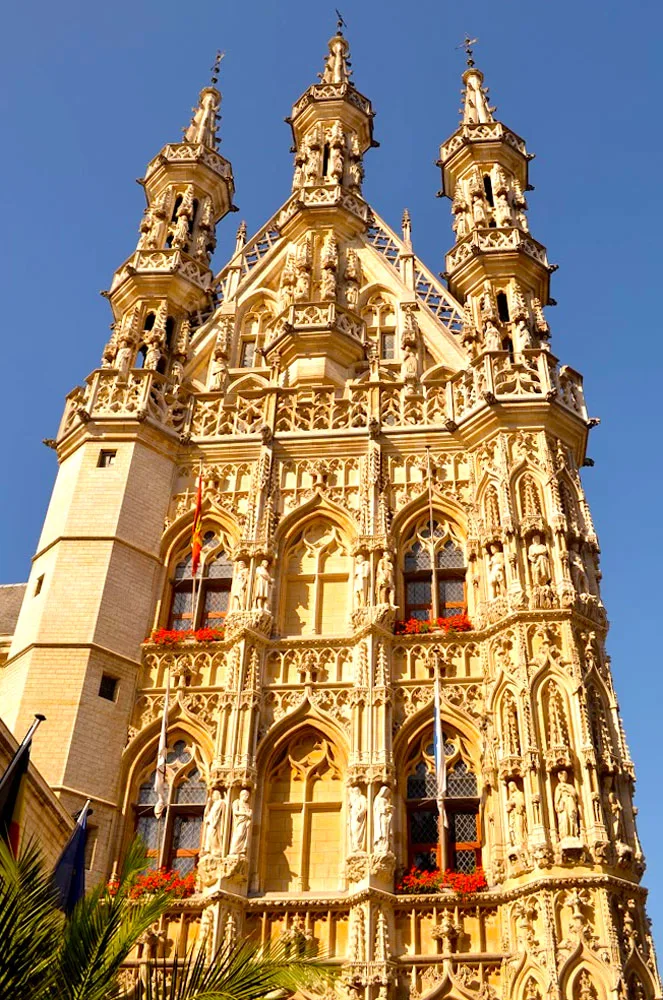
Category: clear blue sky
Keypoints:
(89, 92)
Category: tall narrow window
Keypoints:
(488, 188)
(247, 359)
(212, 592)
(317, 569)
(173, 841)
(325, 159)
(421, 599)
(380, 320)
(462, 834)
(503, 307)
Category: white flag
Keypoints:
(160, 778)
(440, 760)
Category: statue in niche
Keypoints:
(578, 569)
(262, 582)
(383, 812)
(358, 809)
(517, 815)
(502, 210)
(492, 336)
(218, 373)
(566, 808)
(384, 579)
(215, 811)
(312, 162)
(336, 154)
(152, 356)
(181, 231)
(479, 216)
(239, 586)
(302, 290)
(487, 306)
(616, 818)
(328, 285)
(539, 560)
(522, 336)
(496, 571)
(362, 571)
(124, 356)
(409, 363)
(242, 816)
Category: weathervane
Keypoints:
(467, 44)
(216, 67)
(340, 22)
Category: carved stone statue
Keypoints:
(328, 285)
(358, 809)
(566, 808)
(124, 356)
(262, 581)
(492, 337)
(539, 561)
(502, 211)
(384, 579)
(409, 364)
(152, 356)
(242, 816)
(239, 585)
(578, 569)
(213, 817)
(522, 336)
(616, 817)
(362, 570)
(383, 812)
(218, 373)
(517, 815)
(496, 571)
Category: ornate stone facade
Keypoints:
(338, 402)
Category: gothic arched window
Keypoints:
(211, 594)
(252, 337)
(461, 803)
(380, 319)
(422, 599)
(173, 840)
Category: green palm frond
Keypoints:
(30, 925)
(101, 933)
(245, 972)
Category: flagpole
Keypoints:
(198, 570)
(440, 773)
(161, 776)
(26, 739)
(434, 594)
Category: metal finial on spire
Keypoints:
(468, 44)
(216, 67)
(340, 22)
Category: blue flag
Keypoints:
(69, 872)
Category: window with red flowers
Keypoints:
(173, 840)
(204, 605)
(462, 835)
(427, 594)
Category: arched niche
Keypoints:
(303, 845)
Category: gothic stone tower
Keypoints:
(374, 447)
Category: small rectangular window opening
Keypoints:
(106, 459)
(108, 687)
(39, 584)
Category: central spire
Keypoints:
(332, 124)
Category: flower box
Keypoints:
(421, 882)
(161, 880)
(172, 636)
(414, 626)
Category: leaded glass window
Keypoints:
(173, 840)
(421, 599)
(209, 606)
(461, 803)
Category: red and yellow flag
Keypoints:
(197, 530)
